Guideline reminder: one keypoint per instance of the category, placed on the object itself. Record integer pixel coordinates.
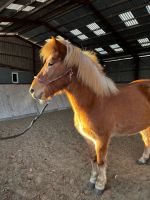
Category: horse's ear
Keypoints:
(53, 41)
(61, 48)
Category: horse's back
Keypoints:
(144, 87)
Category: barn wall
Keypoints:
(6, 76)
(16, 53)
(15, 102)
(123, 71)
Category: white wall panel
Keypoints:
(15, 102)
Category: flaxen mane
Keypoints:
(90, 72)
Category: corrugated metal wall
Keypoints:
(123, 71)
(16, 53)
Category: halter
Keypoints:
(45, 82)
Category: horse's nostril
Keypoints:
(31, 90)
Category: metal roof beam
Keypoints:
(6, 4)
(110, 28)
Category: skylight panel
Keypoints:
(41, 1)
(93, 26)
(79, 34)
(99, 32)
(96, 29)
(101, 51)
(148, 8)
(82, 37)
(75, 32)
(14, 6)
(128, 18)
(28, 8)
(144, 42)
(5, 23)
(116, 48)
(131, 22)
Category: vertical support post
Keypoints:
(34, 63)
(137, 67)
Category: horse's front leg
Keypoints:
(101, 152)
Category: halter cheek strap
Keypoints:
(45, 82)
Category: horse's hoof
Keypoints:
(98, 192)
(91, 186)
(142, 162)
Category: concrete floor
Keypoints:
(51, 162)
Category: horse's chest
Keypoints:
(84, 130)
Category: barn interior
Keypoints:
(118, 31)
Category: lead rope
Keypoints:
(28, 128)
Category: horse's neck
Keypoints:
(80, 96)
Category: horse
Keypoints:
(101, 108)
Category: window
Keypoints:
(116, 48)
(101, 51)
(144, 42)
(79, 34)
(14, 76)
(96, 29)
(128, 18)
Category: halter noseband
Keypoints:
(45, 82)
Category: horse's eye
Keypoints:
(50, 64)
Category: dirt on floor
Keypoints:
(51, 162)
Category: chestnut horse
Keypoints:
(101, 109)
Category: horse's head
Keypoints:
(54, 75)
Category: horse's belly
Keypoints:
(131, 129)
